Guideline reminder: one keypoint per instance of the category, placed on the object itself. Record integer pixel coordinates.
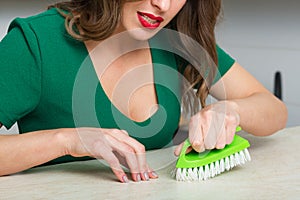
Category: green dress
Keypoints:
(47, 81)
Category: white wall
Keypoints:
(19, 8)
(264, 36)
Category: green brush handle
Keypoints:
(195, 159)
(187, 143)
(238, 128)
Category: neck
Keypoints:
(109, 50)
(117, 44)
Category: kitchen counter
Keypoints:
(273, 173)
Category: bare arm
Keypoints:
(242, 101)
(23, 151)
(261, 113)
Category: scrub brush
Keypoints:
(196, 166)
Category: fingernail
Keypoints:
(138, 178)
(146, 176)
(154, 174)
(125, 179)
(202, 149)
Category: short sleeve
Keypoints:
(225, 62)
(19, 73)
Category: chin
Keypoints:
(142, 34)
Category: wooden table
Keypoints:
(273, 173)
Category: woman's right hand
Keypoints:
(115, 146)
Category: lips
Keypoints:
(148, 20)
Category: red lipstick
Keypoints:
(149, 20)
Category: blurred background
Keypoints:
(263, 36)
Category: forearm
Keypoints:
(21, 152)
(261, 114)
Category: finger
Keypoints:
(123, 150)
(118, 171)
(221, 132)
(136, 162)
(208, 132)
(215, 128)
(211, 139)
(135, 176)
(121, 159)
(114, 164)
(221, 141)
(178, 149)
(209, 126)
(230, 131)
(195, 133)
(141, 158)
(123, 137)
(152, 174)
(232, 122)
(189, 149)
(135, 155)
(131, 159)
(125, 132)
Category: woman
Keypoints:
(50, 63)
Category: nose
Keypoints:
(162, 5)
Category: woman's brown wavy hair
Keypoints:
(97, 19)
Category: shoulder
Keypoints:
(42, 32)
(225, 60)
(45, 23)
(49, 16)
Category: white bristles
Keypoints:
(207, 173)
(212, 169)
(242, 157)
(232, 161)
(217, 168)
(222, 165)
(227, 163)
(237, 159)
(201, 173)
(247, 155)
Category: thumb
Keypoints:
(179, 148)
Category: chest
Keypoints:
(128, 83)
(83, 95)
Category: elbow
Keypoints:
(3, 174)
(283, 116)
(278, 122)
(273, 122)
(6, 172)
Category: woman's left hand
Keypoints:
(213, 127)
